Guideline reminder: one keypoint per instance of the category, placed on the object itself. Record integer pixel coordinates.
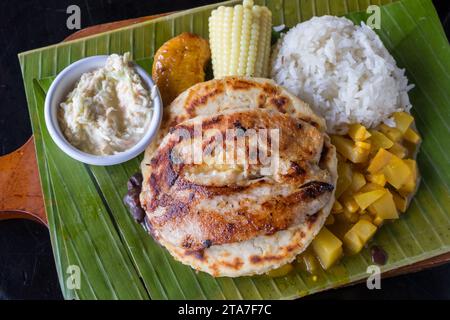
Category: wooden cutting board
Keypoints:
(20, 190)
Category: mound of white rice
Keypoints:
(343, 71)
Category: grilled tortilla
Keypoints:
(241, 218)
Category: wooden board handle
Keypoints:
(20, 189)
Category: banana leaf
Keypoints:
(92, 231)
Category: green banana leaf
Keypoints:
(92, 231)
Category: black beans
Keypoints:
(379, 256)
(131, 199)
(135, 181)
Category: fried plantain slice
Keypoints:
(179, 64)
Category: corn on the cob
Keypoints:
(240, 40)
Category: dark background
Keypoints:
(27, 269)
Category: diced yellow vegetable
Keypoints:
(352, 243)
(349, 150)
(402, 121)
(370, 187)
(337, 207)
(358, 236)
(240, 40)
(380, 160)
(377, 178)
(281, 271)
(344, 178)
(393, 134)
(399, 150)
(378, 221)
(349, 202)
(358, 181)
(384, 207)
(309, 262)
(327, 247)
(367, 198)
(401, 203)
(365, 216)
(358, 132)
(397, 172)
(363, 145)
(379, 140)
(349, 217)
(330, 220)
(411, 136)
(409, 185)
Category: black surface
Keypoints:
(27, 270)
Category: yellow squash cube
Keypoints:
(359, 235)
(401, 203)
(411, 136)
(349, 150)
(393, 134)
(369, 187)
(358, 181)
(344, 178)
(384, 207)
(309, 262)
(327, 247)
(403, 121)
(365, 216)
(281, 271)
(380, 160)
(365, 199)
(348, 202)
(377, 178)
(409, 185)
(358, 132)
(379, 140)
(363, 145)
(399, 150)
(349, 217)
(397, 172)
(378, 221)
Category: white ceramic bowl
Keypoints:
(60, 88)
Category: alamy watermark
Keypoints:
(374, 279)
(73, 22)
(234, 146)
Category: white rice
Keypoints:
(343, 71)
